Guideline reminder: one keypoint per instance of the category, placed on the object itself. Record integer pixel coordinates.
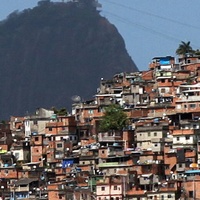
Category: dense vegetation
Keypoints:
(114, 119)
(54, 51)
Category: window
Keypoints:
(177, 138)
(162, 90)
(100, 109)
(115, 187)
(187, 137)
(169, 196)
(183, 127)
(59, 145)
(102, 188)
(155, 134)
(149, 134)
(180, 165)
(192, 105)
(194, 126)
(50, 129)
(90, 111)
(191, 195)
(36, 139)
(102, 152)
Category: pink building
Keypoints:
(110, 187)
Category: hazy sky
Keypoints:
(150, 28)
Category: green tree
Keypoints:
(197, 52)
(60, 112)
(184, 48)
(114, 119)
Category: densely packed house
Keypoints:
(156, 156)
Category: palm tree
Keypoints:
(184, 49)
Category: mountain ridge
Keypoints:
(54, 51)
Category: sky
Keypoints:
(150, 28)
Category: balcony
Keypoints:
(161, 112)
(188, 99)
(110, 138)
(116, 153)
(145, 179)
(104, 137)
(112, 164)
(149, 128)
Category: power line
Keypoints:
(154, 15)
(126, 21)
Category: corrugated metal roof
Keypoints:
(25, 181)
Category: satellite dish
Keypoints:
(76, 98)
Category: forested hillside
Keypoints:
(54, 51)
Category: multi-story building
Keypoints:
(156, 156)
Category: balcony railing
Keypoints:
(110, 138)
(149, 128)
(144, 181)
(188, 98)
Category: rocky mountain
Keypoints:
(54, 51)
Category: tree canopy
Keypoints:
(184, 48)
(60, 112)
(114, 119)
